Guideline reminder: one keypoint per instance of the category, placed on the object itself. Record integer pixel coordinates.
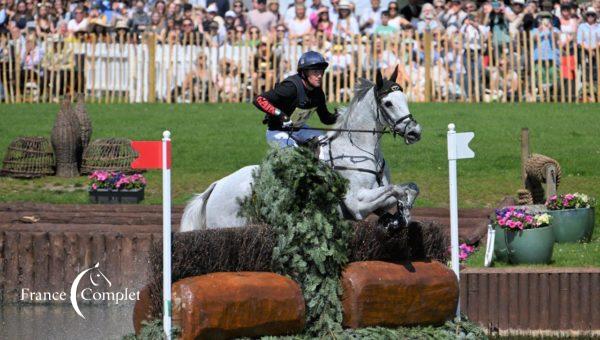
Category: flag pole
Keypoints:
(166, 179)
(452, 156)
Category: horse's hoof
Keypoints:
(392, 224)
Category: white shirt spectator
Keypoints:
(75, 26)
(290, 13)
(263, 20)
(472, 35)
(588, 35)
(299, 27)
(374, 15)
(345, 27)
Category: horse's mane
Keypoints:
(360, 91)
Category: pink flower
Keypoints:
(569, 197)
(102, 175)
(94, 186)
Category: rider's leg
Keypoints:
(302, 136)
(280, 138)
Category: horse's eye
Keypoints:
(388, 104)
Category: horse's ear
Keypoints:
(379, 80)
(394, 75)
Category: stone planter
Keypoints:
(573, 225)
(105, 196)
(530, 246)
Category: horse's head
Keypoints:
(392, 108)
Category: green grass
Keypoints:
(213, 140)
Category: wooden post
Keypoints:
(151, 43)
(550, 180)
(524, 153)
(428, 65)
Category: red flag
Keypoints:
(150, 154)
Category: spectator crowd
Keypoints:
(334, 18)
(566, 23)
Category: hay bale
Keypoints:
(109, 154)
(66, 140)
(28, 157)
(250, 249)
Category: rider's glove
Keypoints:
(336, 114)
(286, 122)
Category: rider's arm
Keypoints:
(277, 99)
(325, 116)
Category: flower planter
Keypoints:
(573, 225)
(500, 250)
(105, 196)
(530, 246)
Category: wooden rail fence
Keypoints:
(434, 67)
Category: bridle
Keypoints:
(381, 112)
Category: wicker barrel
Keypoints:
(28, 157)
(84, 121)
(535, 167)
(66, 140)
(110, 154)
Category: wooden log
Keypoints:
(40, 261)
(513, 301)
(534, 300)
(26, 260)
(473, 308)
(56, 277)
(378, 293)
(72, 263)
(243, 304)
(2, 263)
(113, 255)
(11, 281)
(126, 263)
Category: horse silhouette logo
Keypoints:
(96, 276)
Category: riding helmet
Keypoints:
(312, 60)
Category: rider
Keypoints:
(302, 91)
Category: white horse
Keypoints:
(353, 149)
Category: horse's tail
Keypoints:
(194, 215)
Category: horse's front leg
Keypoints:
(407, 193)
(364, 201)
